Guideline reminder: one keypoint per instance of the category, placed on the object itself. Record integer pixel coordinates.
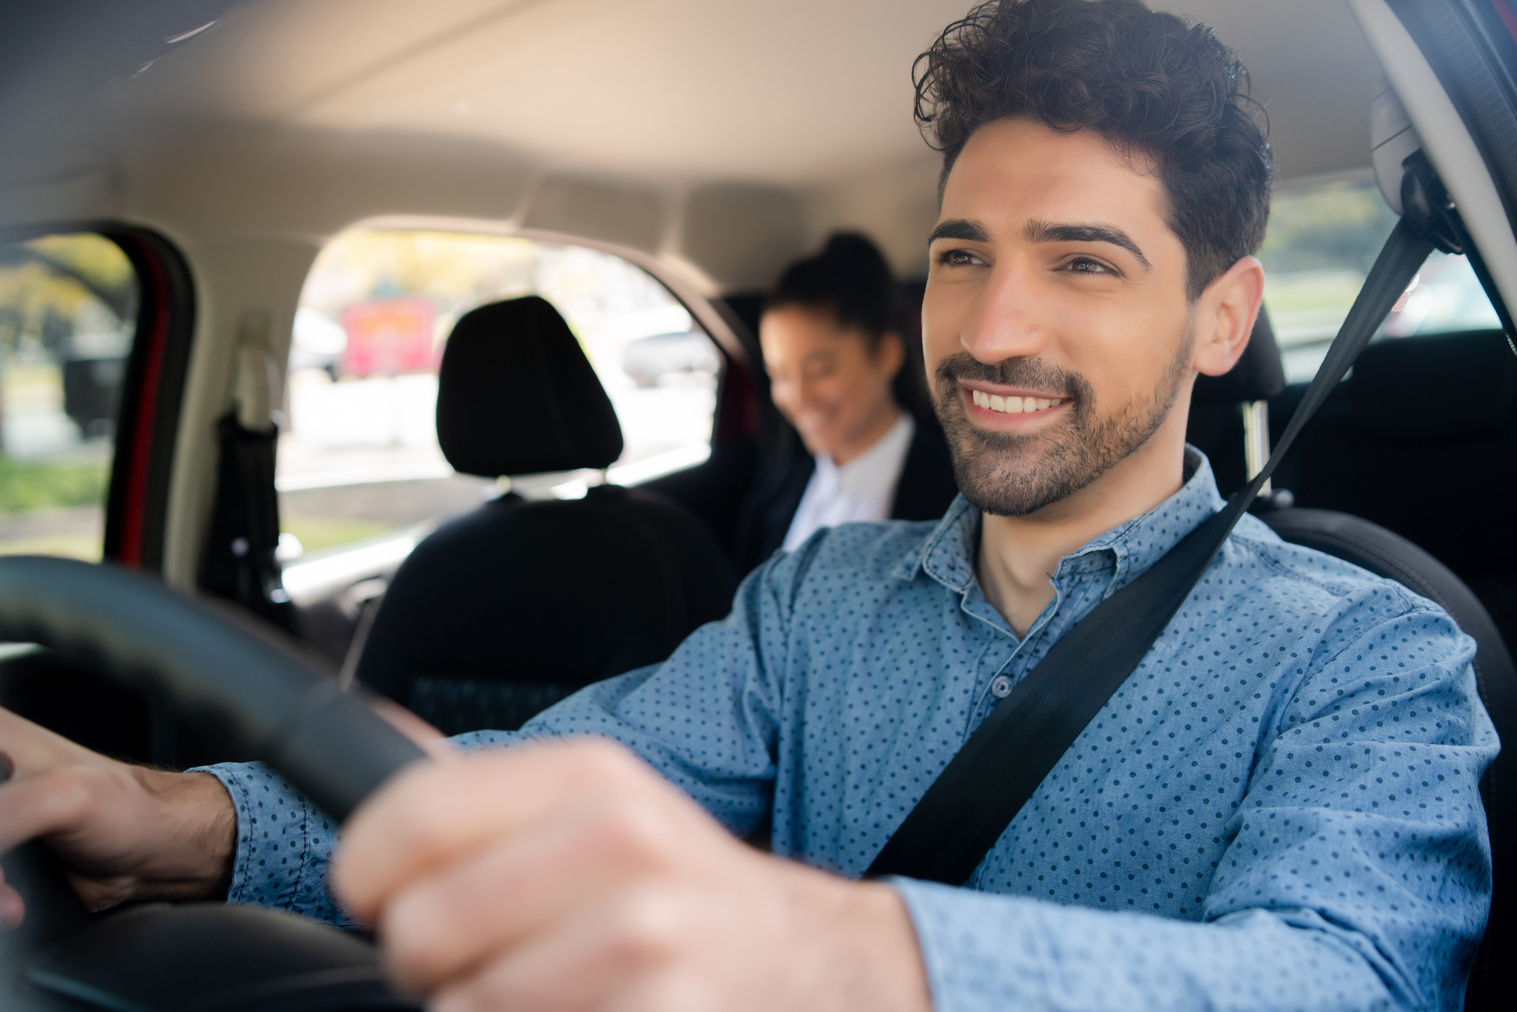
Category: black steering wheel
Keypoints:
(266, 704)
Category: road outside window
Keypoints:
(1322, 240)
(359, 468)
(68, 307)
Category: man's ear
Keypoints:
(1225, 317)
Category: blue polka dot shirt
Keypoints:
(1278, 809)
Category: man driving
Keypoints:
(1278, 808)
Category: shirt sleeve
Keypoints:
(705, 719)
(1358, 874)
(283, 844)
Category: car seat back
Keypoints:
(1421, 439)
(508, 609)
(1493, 981)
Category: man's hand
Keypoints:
(122, 832)
(571, 876)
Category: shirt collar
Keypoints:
(948, 553)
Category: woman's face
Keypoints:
(827, 382)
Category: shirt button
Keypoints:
(1000, 687)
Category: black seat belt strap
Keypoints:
(979, 792)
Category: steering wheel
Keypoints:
(267, 704)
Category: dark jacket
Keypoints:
(925, 489)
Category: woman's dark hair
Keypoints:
(849, 278)
(1151, 84)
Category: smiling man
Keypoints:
(1278, 809)
(1065, 321)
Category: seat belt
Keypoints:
(972, 802)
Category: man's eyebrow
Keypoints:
(959, 228)
(1045, 231)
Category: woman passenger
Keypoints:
(834, 357)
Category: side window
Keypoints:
(67, 312)
(359, 466)
(1321, 242)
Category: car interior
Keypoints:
(417, 345)
(516, 395)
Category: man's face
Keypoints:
(1056, 326)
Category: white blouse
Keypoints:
(862, 489)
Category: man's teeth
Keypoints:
(1015, 405)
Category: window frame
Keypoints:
(152, 388)
(736, 415)
(152, 398)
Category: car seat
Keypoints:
(1257, 377)
(1386, 553)
(508, 609)
(1420, 439)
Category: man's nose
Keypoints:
(1008, 322)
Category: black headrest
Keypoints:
(516, 395)
(1258, 375)
(1435, 385)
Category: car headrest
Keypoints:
(1436, 385)
(1258, 375)
(516, 395)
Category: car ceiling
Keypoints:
(720, 137)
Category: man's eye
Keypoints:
(1085, 265)
(958, 258)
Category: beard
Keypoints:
(1012, 475)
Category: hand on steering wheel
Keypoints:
(556, 875)
(571, 875)
(129, 832)
(121, 832)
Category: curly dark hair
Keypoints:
(850, 278)
(1150, 83)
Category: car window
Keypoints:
(358, 458)
(68, 308)
(1322, 240)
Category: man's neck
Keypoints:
(1018, 555)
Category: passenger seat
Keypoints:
(507, 610)
(1421, 439)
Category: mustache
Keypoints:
(1029, 373)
